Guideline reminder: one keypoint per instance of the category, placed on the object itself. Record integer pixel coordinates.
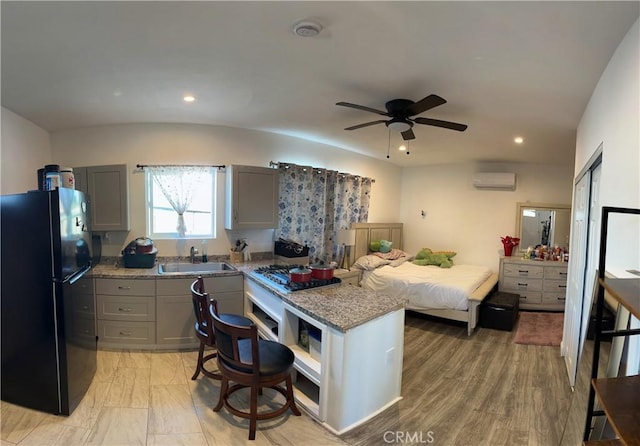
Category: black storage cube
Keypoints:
(500, 311)
(608, 324)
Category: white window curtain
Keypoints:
(178, 184)
(315, 203)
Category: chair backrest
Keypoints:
(201, 303)
(237, 345)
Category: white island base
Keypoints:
(358, 372)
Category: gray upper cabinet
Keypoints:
(108, 189)
(251, 198)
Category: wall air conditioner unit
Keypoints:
(494, 180)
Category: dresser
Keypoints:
(542, 285)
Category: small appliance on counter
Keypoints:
(290, 252)
(140, 253)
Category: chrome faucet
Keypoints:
(192, 254)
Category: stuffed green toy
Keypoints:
(427, 257)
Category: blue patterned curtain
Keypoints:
(314, 203)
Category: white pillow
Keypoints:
(370, 262)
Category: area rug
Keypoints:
(539, 328)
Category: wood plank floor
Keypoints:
(458, 390)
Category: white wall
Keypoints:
(200, 144)
(25, 149)
(471, 221)
(612, 118)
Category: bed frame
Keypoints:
(365, 232)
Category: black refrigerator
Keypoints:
(48, 331)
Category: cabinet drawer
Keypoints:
(126, 287)
(83, 328)
(223, 284)
(83, 304)
(522, 284)
(174, 287)
(555, 273)
(559, 286)
(125, 332)
(519, 270)
(125, 308)
(529, 298)
(84, 286)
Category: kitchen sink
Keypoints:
(194, 267)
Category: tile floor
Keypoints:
(143, 398)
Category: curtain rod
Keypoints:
(142, 166)
(277, 164)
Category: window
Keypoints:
(170, 189)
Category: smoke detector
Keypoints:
(307, 29)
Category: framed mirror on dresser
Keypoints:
(543, 224)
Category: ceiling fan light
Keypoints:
(398, 125)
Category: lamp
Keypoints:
(399, 124)
(346, 238)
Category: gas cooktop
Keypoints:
(279, 275)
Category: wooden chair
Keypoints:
(204, 326)
(251, 363)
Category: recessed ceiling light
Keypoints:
(518, 139)
(189, 98)
(307, 29)
(402, 148)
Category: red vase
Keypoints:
(508, 250)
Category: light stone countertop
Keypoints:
(340, 306)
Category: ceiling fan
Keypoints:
(401, 110)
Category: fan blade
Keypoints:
(425, 104)
(443, 124)
(366, 124)
(362, 107)
(408, 134)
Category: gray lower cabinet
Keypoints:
(175, 316)
(126, 312)
(157, 313)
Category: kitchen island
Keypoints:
(348, 346)
(347, 341)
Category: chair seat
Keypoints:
(275, 358)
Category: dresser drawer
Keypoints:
(518, 284)
(124, 332)
(520, 270)
(558, 286)
(530, 298)
(126, 287)
(126, 308)
(555, 273)
(554, 298)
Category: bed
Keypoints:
(451, 293)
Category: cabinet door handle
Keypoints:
(120, 287)
(562, 286)
(125, 310)
(522, 284)
(561, 273)
(524, 271)
(125, 333)
(562, 298)
(85, 307)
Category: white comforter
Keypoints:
(427, 286)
